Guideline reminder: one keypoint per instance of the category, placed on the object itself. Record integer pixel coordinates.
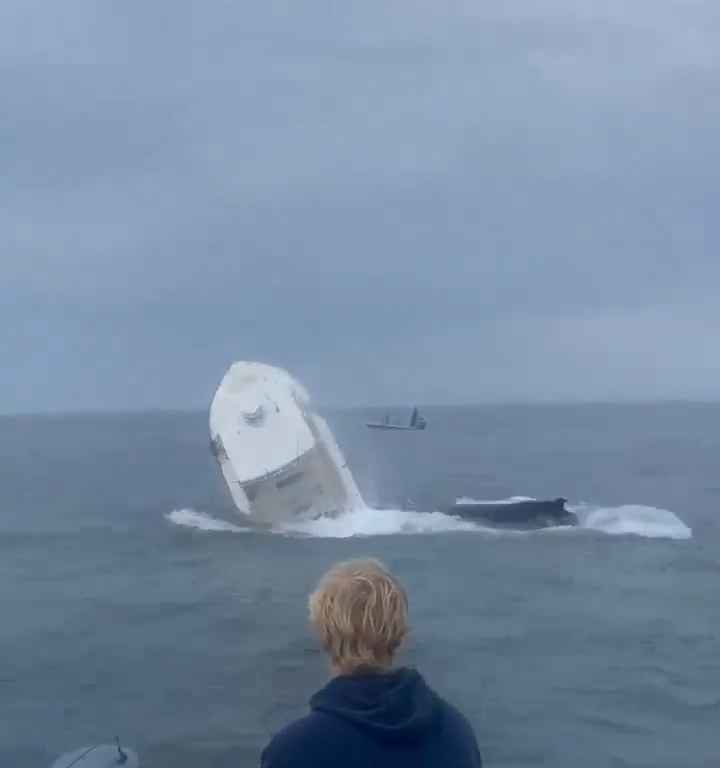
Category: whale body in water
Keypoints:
(523, 513)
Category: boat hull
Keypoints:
(101, 756)
(279, 459)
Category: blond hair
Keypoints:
(359, 611)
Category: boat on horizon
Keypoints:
(417, 422)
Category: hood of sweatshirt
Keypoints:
(391, 706)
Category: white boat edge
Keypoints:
(278, 457)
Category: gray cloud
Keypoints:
(395, 201)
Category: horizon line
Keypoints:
(539, 403)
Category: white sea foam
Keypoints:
(189, 518)
(627, 519)
(650, 522)
(366, 521)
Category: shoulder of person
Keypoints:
(455, 720)
(312, 741)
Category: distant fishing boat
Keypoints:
(417, 422)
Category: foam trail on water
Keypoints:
(650, 522)
(362, 521)
(627, 519)
(189, 518)
(366, 521)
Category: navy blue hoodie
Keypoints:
(387, 720)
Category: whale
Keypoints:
(523, 513)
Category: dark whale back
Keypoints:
(526, 513)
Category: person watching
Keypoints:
(371, 713)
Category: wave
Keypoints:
(626, 519)
(623, 520)
(189, 518)
(367, 521)
(364, 521)
(637, 519)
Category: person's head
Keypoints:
(359, 611)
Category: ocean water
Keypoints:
(131, 604)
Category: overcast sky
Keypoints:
(397, 200)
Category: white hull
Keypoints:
(279, 459)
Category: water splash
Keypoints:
(189, 518)
(626, 519)
(637, 519)
(366, 521)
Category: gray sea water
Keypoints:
(129, 606)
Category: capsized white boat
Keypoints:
(279, 458)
